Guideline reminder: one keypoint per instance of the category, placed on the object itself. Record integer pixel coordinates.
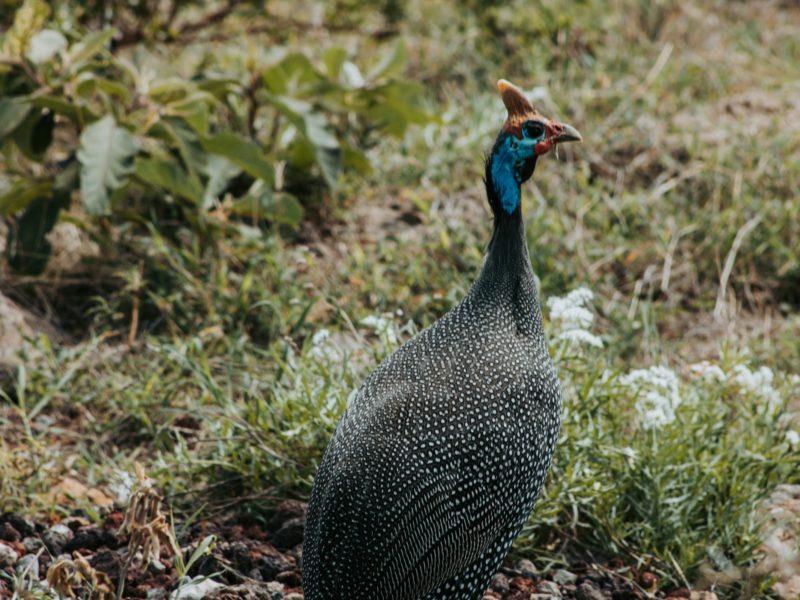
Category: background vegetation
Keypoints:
(228, 213)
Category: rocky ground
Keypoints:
(245, 560)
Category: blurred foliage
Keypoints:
(91, 110)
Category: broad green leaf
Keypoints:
(106, 156)
(293, 71)
(219, 171)
(185, 139)
(12, 113)
(168, 176)
(242, 152)
(22, 193)
(78, 113)
(330, 163)
(88, 47)
(333, 58)
(27, 249)
(277, 207)
(391, 64)
(28, 20)
(44, 45)
(34, 134)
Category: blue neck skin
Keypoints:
(505, 174)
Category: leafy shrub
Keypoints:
(190, 137)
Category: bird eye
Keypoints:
(534, 129)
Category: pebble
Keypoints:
(195, 589)
(586, 591)
(275, 590)
(8, 556)
(527, 568)
(8, 533)
(32, 544)
(293, 596)
(28, 567)
(499, 583)
(57, 537)
(156, 567)
(550, 588)
(290, 534)
(563, 577)
(698, 595)
(156, 593)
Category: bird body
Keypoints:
(437, 461)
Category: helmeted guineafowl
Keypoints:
(436, 464)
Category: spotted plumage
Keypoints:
(436, 464)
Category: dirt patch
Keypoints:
(253, 560)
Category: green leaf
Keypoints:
(293, 71)
(186, 140)
(27, 249)
(44, 45)
(392, 63)
(22, 193)
(12, 113)
(34, 135)
(333, 58)
(106, 153)
(77, 112)
(277, 207)
(89, 46)
(242, 152)
(168, 176)
(219, 171)
(28, 19)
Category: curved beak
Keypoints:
(566, 133)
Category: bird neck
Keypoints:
(508, 250)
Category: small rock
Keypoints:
(28, 567)
(681, 592)
(156, 593)
(195, 589)
(702, 595)
(8, 556)
(491, 596)
(90, 538)
(648, 580)
(24, 526)
(564, 577)
(586, 591)
(549, 588)
(527, 568)
(522, 584)
(8, 533)
(57, 537)
(499, 583)
(293, 596)
(288, 509)
(156, 567)
(538, 596)
(275, 590)
(32, 544)
(290, 534)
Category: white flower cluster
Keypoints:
(323, 347)
(572, 320)
(658, 395)
(758, 383)
(793, 438)
(383, 327)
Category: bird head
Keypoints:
(525, 136)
